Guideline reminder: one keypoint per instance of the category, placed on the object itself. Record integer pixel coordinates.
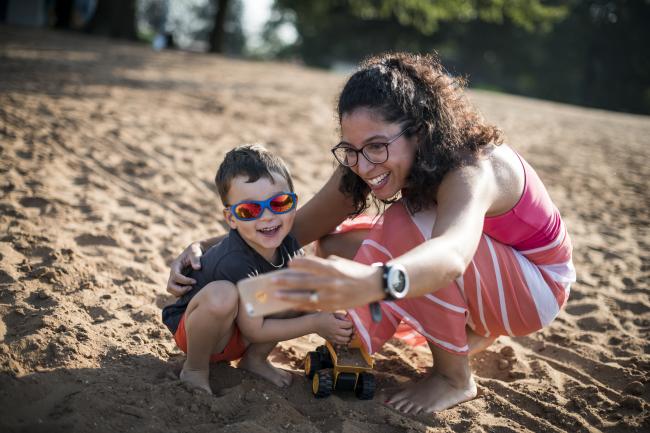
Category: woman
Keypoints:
(470, 248)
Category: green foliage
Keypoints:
(590, 52)
(425, 16)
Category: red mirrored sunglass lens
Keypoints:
(282, 203)
(248, 210)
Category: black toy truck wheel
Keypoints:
(345, 382)
(325, 357)
(322, 384)
(365, 389)
(312, 364)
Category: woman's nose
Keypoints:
(364, 166)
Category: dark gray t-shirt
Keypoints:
(231, 260)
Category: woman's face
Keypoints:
(365, 126)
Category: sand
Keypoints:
(108, 151)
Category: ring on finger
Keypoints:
(313, 298)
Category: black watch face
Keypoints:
(398, 284)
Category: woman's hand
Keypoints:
(178, 284)
(334, 327)
(335, 283)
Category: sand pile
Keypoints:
(108, 152)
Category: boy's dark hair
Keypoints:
(253, 161)
(417, 91)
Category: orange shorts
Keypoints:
(234, 349)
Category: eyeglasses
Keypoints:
(375, 153)
(250, 210)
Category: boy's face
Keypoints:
(266, 233)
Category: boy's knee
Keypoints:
(222, 301)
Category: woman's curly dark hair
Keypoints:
(416, 90)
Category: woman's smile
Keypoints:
(378, 182)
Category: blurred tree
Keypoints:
(324, 27)
(114, 18)
(590, 52)
(597, 56)
(224, 32)
(218, 30)
(191, 23)
(63, 13)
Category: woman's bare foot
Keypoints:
(449, 383)
(434, 393)
(262, 367)
(199, 379)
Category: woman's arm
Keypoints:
(332, 327)
(464, 197)
(177, 283)
(206, 244)
(320, 215)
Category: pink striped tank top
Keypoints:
(533, 222)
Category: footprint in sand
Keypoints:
(42, 204)
(88, 239)
(98, 314)
(637, 308)
(5, 278)
(502, 365)
(581, 310)
(594, 324)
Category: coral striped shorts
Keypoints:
(502, 292)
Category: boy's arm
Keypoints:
(263, 330)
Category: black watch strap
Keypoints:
(384, 280)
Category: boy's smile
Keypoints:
(266, 233)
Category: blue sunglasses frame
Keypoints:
(264, 204)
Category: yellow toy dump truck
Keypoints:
(342, 369)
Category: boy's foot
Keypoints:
(262, 367)
(197, 379)
(434, 393)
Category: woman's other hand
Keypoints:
(334, 327)
(178, 284)
(334, 283)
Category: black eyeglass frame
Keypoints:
(347, 146)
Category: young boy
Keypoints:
(257, 192)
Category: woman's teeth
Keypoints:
(377, 180)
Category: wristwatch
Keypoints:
(395, 280)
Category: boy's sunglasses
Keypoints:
(251, 210)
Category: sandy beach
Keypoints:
(108, 152)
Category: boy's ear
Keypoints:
(231, 220)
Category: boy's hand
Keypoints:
(334, 327)
(178, 284)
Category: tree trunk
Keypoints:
(114, 18)
(218, 31)
(63, 14)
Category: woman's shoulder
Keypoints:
(496, 174)
(509, 177)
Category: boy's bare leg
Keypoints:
(209, 325)
(449, 383)
(255, 360)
